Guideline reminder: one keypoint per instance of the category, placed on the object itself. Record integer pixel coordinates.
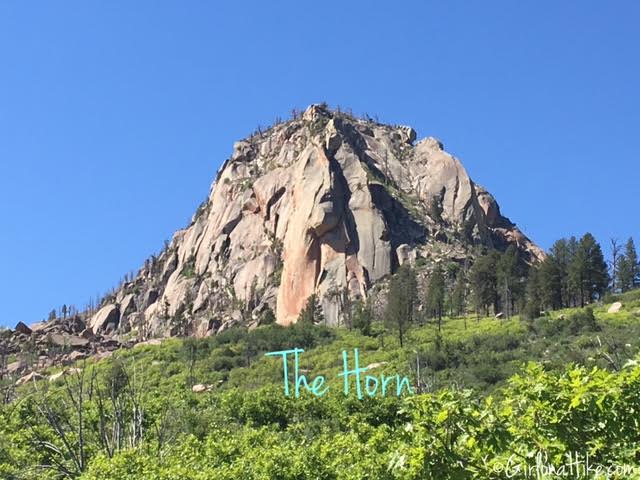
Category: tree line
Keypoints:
(574, 273)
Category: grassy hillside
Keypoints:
(481, 402)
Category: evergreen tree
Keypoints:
(311, 314)
(484, 283)
(459, 295)
(562, 253)
(346, 306)
(435, 295)
(435, 209)
(267, 317)
(588, 272)
(362, 317)
(628, 268)
(533, 301)
(571, 293)
(550, 283)
(508, 276)
(632, 258)
(401, 300)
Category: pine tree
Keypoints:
(550, 283)
(346, 304)
(508, 275)
(598, 270)
(571, 293)
(311, 314)
(459, 295)
(533, 301)
(435, 295)
(483, 283)
(628, 268)
(632, 257)
(588, 272)
(362, 317)
(267, 317)
(435, 209)
(401, 300)
(562, 253)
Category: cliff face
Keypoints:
(325, 204)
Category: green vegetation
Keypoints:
(480, 401)
(246, 184)
(402, 300)
(318, 125)
(628, 269)
(189, 268)
(434, 303)
(436, 209)
(311, 314)
(539, 370)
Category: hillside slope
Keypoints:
(215, 407)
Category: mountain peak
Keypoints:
(325, 204)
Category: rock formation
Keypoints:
(325, 203)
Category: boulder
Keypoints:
(74, 357)
(151, 341)
(87, 334)
(110, 344)
(23, 328)
(15, 367)
(37, 326)
(65, 340)
(371, 366)
(56, 376)
(109, 314)
(102, 355)
(77, 342)
(31, 377)
(201, 388)
(406, 254)
(127, 306)
(69, 371)
(615, 307)
(76, 324)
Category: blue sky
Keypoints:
(115, 115)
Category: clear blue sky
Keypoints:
(115, 115)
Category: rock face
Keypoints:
(107, 317)
(324, 204)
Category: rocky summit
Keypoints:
(324, 204)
